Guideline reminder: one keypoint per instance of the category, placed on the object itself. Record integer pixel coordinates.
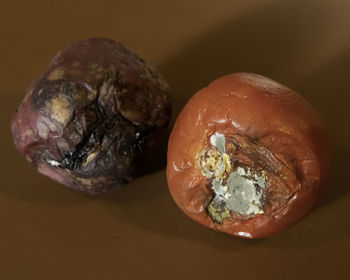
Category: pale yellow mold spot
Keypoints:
(227, 162)
(84, 181)
(212, 163)
(90, 157)
(29, 132)
(60, 111)
(55, 75)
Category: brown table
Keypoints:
(50, 232)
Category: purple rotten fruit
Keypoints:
(93, 118)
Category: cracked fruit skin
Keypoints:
(93, 119)
(277, 155)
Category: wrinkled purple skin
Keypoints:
(93, 118)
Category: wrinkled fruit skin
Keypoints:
(275, 142)
(93, 118)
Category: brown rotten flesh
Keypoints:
(248, 156)
(93, 119)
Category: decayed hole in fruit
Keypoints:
(238, 174)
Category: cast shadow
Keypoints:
(265, 41)
(147, 204)
(158, 160)
(328, 90)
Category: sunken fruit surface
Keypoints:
(248, 156)
(92, 119)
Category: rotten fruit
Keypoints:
(92, 120)
(248, 156)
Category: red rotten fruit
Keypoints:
(248, 156)
(93, 118)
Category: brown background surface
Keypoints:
(50, 232)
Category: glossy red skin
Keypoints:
(254, 106)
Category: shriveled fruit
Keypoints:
(93, 118)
